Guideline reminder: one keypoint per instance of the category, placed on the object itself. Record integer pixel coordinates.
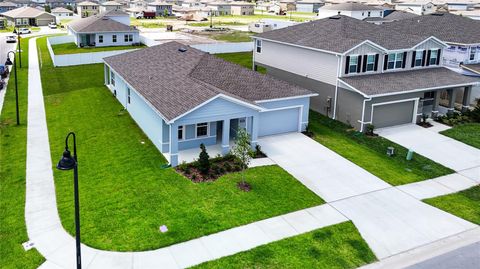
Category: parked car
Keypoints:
(3, 71)
(52, 25)
(11, 39)
(24, 31)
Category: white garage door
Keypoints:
(279, 121)
(393, 114)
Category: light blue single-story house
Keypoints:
(182, 97)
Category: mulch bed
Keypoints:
(219, 167)
(425, 124)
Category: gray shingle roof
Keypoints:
(341, 33)
(397, 15)
(24, 12)
(350, 7)
(406, 81)
(98, 24)
(471, 67)
(446, 27)
(175, 82)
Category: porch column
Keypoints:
(254, 135)
(436, 101)
(452, 94)
(226, 136)
(466, 98)
(173, 145)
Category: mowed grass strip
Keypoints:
(124, 194)
(337, 246)
(464, 204)
(13, 148)
(72, 48)
(468, 133)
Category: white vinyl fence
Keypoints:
(78, 58)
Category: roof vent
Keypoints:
(182, 49)
(335, 18)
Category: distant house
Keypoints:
(61, 13)
(353, 10)
(266, 25)
(311, 6)
(7, 6)
(419, 8)
(287, 5)
(60, 3)
(110, 5)
(242, 8)
(87, 9)
(395, 15)
(190, 97)
(22, 3)
(107, 29)
(160, 8)
(28, 16)
(220, 8)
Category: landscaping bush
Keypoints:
(203, 160)
(370, 129)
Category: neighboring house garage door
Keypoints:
(43, 22)
(279, 121)
(393, 114)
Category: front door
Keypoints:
(219, 131)
(87, 40)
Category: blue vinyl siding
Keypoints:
(304, 102)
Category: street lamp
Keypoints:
(69, 162)
(9, 62)
(19, 45)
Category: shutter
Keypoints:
(385, 62)
(359, 63)
(404, 59)
(347, 65)
(439, 52)
(376, 62)
(428, 57)
(424, 57)
(364, 65)
(414, 54)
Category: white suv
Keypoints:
(52, 25)
(24, 31)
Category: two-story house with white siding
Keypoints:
(460, 33)
(363, 73)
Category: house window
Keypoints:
(395, 60)
(418, 58)
(370, 62)
(128, 95)
(114, 38)
(433, 57)
(353, 64)
(180, 132)
(112, 78)
(259, 46)
(128, 38)
(202, 129)
(100, 39)
(473, 51)
(369, 13)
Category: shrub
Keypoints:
(194, 177)
(228, 167)
(370, 129)
(203, 160)
(187, 170)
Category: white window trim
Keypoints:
(184, 132)
(418, 52)
(394, 61)
(366, 65)
(258, 44)
(474, 54)
(356, 65)
(436, 58)
(203, 136)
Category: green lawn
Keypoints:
(242, 58)
(71, 48)
(236, 36)
(468, 133)
(124, 194)
(337, 246)
(464, 204)
(13, 141)
(370, 152)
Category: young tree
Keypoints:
(166, 13)
(243, 150)
(203, 160)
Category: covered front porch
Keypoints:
(445, 101)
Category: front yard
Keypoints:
(464, 204)
(13, 141)
(125, 195)
(71, 48)
(337, 246)
(468, 133)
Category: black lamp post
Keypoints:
(9, 62)
(19, 45)
(69, 162)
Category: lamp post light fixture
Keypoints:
(9, 62)
(19, 45)
(69, 162)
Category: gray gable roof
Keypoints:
(341, 33)
(99, 23)
(175, 82)
(397, 15)
(353, 6)
(445, 26)
(407, 81)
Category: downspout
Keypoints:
(336, 87)
(253, 54)
(362, 121)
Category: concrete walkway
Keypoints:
(389, 219)
(58, 247)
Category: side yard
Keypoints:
(71, 48)
(242, 58)
(468, 133)
(13, 146)
(337, 246)
(125, 194)
(464, 204)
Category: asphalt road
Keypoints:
(5, 47)
(467, 257)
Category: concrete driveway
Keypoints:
(439, 148)
(390, 220)
(323, 171)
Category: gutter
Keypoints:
(362, 121)
(334, 116)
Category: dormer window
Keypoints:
(353, 64)
(370, 65)
(433, 57)
(418, 58)
(395, 60)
